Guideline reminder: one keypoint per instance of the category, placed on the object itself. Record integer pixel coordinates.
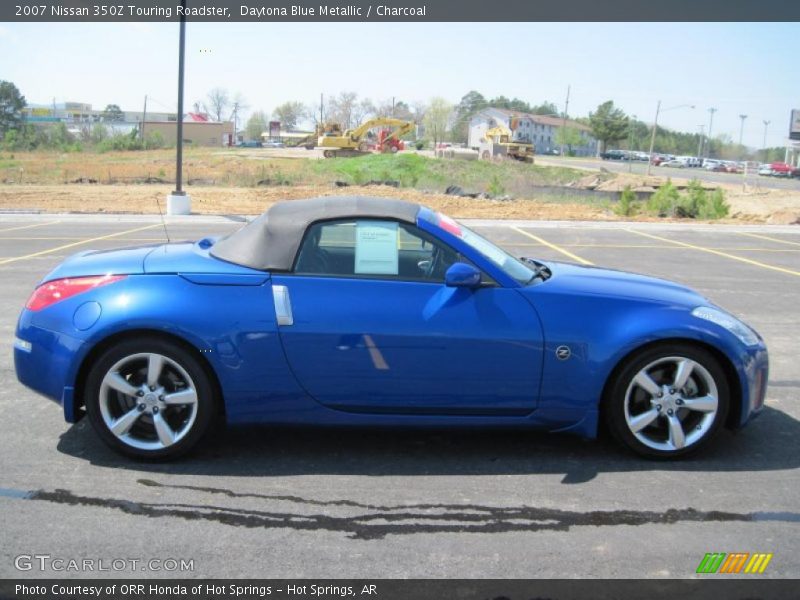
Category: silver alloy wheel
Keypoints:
(671, 403)
(148, 401)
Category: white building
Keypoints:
(533, 129)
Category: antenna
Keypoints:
(163, 222)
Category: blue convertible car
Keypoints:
(364, 311)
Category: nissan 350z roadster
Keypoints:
(375, 312)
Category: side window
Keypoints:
(375, 249)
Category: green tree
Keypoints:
(568, 136)
(113, 112)
(545, 108)
(471, 103)
(289, 114)
(256, 125)
(609, 124)
(510, 104)
(437, 119)
(11, 104)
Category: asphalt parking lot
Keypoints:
(324, 504)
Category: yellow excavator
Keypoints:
(497, 144)
(353, 142)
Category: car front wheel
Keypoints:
(149, 399)
(668, 402)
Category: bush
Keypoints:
(628, 205)
(154, 139)
(664, 201)
(120, 141)
(496, 187)
(695, 203)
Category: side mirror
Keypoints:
(462, 275)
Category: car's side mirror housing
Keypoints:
(462, 275)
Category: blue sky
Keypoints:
(738, 68)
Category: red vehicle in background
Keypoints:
(781, 169)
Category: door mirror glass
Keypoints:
(462, 275)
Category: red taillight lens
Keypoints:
(61, 289)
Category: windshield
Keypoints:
(513, 267)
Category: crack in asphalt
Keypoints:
(381, 521)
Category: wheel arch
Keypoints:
(121, 336)
(731, 375)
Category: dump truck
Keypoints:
(498, 144)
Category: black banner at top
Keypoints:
(397, 10)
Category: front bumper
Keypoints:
(753, 376)
(45, 362)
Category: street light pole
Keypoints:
(655, 126)
(711, 112)
(764, 145)
(653, 137)
(178, 202)
(630, 142)
(741, 129)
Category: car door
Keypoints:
(368, 325)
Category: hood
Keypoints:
(595, 281)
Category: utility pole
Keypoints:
(701, 140)
(764, 145)
(631, 121)
(741, 129)
(393, 107)
(144, 118)
(321, 115)
(711, 112)
(178, 202)
(564, 124)
(653, 138)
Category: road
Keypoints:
(640, 168)
(311, 503)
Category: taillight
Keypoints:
(61, 289)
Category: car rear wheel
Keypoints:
(668, 402)
(149, 399)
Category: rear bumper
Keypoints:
(44, 361)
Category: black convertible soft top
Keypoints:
(270, 242)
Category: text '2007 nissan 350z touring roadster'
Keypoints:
(376, 312)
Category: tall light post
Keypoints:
(741, 128)
(178, 202)
(631, 121)
(764, 144)
(655, 126)
(711, 112)
(702, 139)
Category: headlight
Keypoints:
(729, 322)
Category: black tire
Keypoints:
(206, 397)
(614, 403)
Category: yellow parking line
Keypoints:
(717, 252)
(29, 226)
(583, 261)
(137, 239)
(771, 239)
(86, 241)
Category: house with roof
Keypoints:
(539, 130)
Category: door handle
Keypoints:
(283, 305)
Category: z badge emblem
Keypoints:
(563, 352)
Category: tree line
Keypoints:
(440, 120)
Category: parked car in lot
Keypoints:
(274, 144)
(614, 155)
(675, 163)
(779, 169)
(710, 164)
(658, 159)
(375, 312)
(250, 144)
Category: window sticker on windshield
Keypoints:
(377, 248)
